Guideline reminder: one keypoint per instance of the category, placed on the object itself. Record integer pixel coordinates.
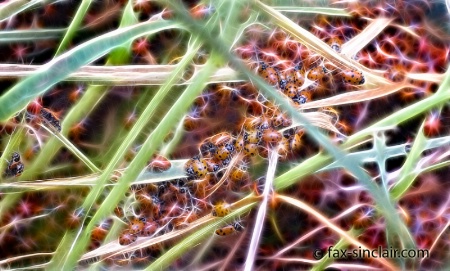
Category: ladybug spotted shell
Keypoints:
(316, 73)
(353, 77)
(268, 73)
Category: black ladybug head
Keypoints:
(15, 157)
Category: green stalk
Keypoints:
(16, 98)
(30, 35)
(155, 139)
(74, 25)
(87, 103)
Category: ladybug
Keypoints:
(300, 99)
(290, 90)
(151, 204)
(136, 225)
(15, 157)
(98, 233)
(159, 164)
(282, 119)
(14, 169)
(146, 200)
(230, 229)
(353, 77)
(221, 209)
(271, 136)
(226, 161)
(126, 238)
(239, 143)
(238, 174)
(221, 139)
(149, 228)
(289, 133)
(264, 124)
(183, 222)
(298, 75)
(50, 118)
(286, 121)
(335, 44)
(118, 211)
(224, 152)
(277, 119)
(207, 148)
(251, 123)
(196, 167)
(15, 166)
(251, 149)
(190, 123)
(282, 80)
(213, 165)
(268, 73)
(253, 136)
(316, 73)
(284, 147)
(296, 142)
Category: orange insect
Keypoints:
(271, 135)
(290, 90)
(98, 233)
(149, 228)
(353, 77)
(251, 149)
(302, 97)
(213, 164)
(296, 141)
(126, 238)
(221, 209)
(221, 139)
(239, 143)
(298, 75)
(335, 44)
(196, 167)
(238, 174)
(15, 166)
(230, 229)
(207, 148)
(224, 152)
(316, 73)
(268, 73)
(136, 225)
(252, 136)
(280, 119)
(159, 164)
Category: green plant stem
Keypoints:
(148, 148)
(74, 25)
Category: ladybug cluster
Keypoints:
(222, 160)
(298, 84)
(15, 166)
(160, 209)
